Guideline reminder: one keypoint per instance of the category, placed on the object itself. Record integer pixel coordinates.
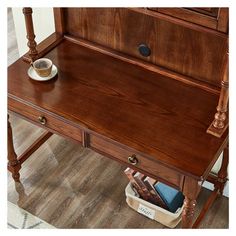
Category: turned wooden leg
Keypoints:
(33, 53)
(223, 172)
(188, 212)
(220, 123)
(191, 190)
(13, 164)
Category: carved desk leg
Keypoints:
(190, 191)
(13, 164)
(223, 172)
(188, 212)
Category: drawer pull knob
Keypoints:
(42, 120)
(133, 160)
(144, 50)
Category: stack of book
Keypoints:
(155, 192)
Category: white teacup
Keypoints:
(43, 67)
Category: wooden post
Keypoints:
(59, 20)
(188, 212)
(33, 53)
(220, 123)
(13, 163)
(191, 190)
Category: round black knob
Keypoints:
(144, 50)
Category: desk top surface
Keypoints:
(158, 116)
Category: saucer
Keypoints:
(33, 74)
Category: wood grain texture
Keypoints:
(59, 20)
(139, 113)
(215, 18)
(161, 172)
(45, 46)
(205, 208)
(220, 123)
(210, 11)
(33, 53)
(13, 164)
(173, 46)
(146, 65)
(68, 187)
(100, 122)
(223, 20)
(188, 212)
(178, 21)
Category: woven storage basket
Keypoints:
(152, 211)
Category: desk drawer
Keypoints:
(147, 165)
(47, 120)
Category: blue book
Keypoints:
(172, 197)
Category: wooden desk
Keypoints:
(122, 107)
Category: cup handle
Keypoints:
(31, 64)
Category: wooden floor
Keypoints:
(72, 187)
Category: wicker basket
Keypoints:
(152, 211)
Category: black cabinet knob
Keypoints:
(144, 50)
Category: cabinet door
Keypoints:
(210, 11)
(214, 18)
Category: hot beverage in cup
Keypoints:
(43, 67)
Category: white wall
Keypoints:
(43, 20)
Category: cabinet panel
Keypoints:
(173, 46)
(210, 11)
(208, 17)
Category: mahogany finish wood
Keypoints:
(35, 145)
(223, 20)
(151, 67)
(217, 19)
(206, 207)
(145, 94)
(13, 164)
(122, 107)
(172, 45)
(59, 20)
(220, 122)
(33, 53)
(179, 21)
(188, 212)
(210, 11)
(45, 46)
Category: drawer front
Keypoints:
(147, 165)
(48, 121)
